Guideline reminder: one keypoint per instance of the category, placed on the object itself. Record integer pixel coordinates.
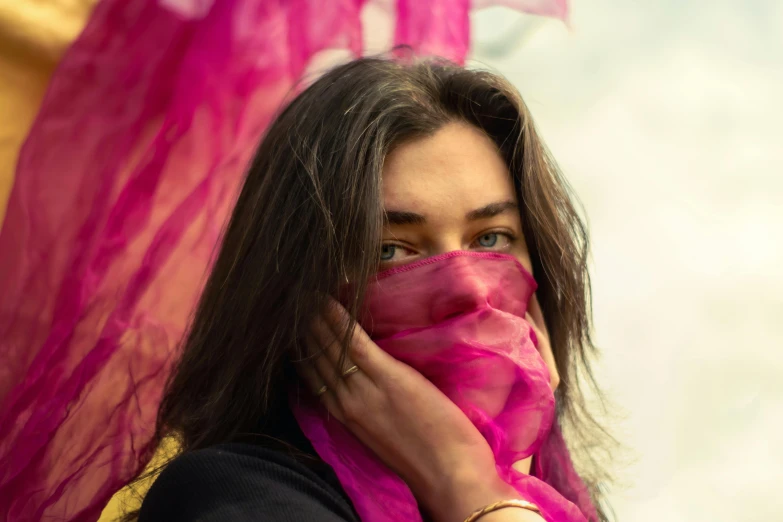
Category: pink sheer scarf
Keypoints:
(120, 194)
(459, 319)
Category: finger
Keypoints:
(320, 388)
(330, 402)
(322, 344)
(362, 351)
(536, 332)
(346, 377)
(331, 339)
(310, 377)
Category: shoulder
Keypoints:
(243, 483)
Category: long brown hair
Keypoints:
(310, 217)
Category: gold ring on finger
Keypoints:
(350, 371)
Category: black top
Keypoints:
(246, 482)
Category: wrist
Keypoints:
(509, 514)
(466, 491)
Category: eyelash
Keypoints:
(503, 232)
(511, 237)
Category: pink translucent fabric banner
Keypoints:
(120, 194)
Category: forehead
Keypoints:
(456, 169)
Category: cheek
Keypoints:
(525, 261)
(522, 254)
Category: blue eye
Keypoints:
(387, 252)
(488, 240)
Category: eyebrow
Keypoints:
(400, 217)
(491, 210)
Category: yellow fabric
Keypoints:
(34, 34)
(129, 498)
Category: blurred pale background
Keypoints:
(667, 119)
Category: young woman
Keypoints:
(400, 300)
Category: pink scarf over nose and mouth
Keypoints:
(459, 319)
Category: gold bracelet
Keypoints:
(524, 504)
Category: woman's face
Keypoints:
(450, 191)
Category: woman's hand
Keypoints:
(405, 420)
